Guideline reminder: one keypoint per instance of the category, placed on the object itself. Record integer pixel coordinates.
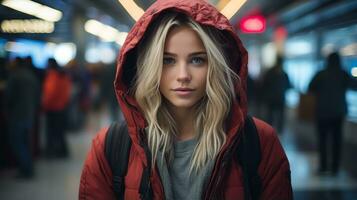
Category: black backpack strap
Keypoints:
(145, 189)
(249, 156)
(117, 150)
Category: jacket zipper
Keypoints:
(219, 172)
(142, 144)
(223, 159)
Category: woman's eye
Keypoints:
(197, 60)
(168, 61)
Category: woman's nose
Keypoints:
(183, 73)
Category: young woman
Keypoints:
(181, 85)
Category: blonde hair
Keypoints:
(211, 111)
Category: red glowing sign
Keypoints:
(280, 33)
(253, 24)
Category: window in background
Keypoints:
(300, 64)
(40, 51)
(33, 48)
(2, 47)
(102, 52)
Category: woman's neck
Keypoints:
(185, 123)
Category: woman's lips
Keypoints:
(183, 91)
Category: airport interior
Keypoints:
(84, 38)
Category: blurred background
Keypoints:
(71, 46)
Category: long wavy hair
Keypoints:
(211, 111)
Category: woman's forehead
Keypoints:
(183, 38)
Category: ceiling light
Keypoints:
(232, 7)
(354, 72)
(27, 26)
(229, 9)
(105, 32)
(133, 9)
(65, 52)
(34, 9)
(120, 38)
(221, 4)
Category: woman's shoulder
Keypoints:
(99, 139)
(268, 137)
(96, 154)
(265, 130)
(96, 178)
(274, 168)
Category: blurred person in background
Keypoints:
(181, 84)
(329, 88)
(22, 99)
(55, 100)
(107, 94)
(3, 124)
(80, 94)
(39, 73)
(275, 84)
(3, 71)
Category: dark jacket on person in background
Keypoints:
(276, 83)
(329, 87)
(226, 178)
(22, 94)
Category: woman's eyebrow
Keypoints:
(198, 53)
(191, 54)
(169, 54)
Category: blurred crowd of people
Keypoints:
(327, 91)
(56, 98)
(266, 95)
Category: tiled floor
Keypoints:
(55, 179)
(59, 179)
(300, 143)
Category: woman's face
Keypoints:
(185, 65)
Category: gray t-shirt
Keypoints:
(178, 183)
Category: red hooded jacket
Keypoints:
(226, 180)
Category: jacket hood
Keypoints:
(203, 13)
